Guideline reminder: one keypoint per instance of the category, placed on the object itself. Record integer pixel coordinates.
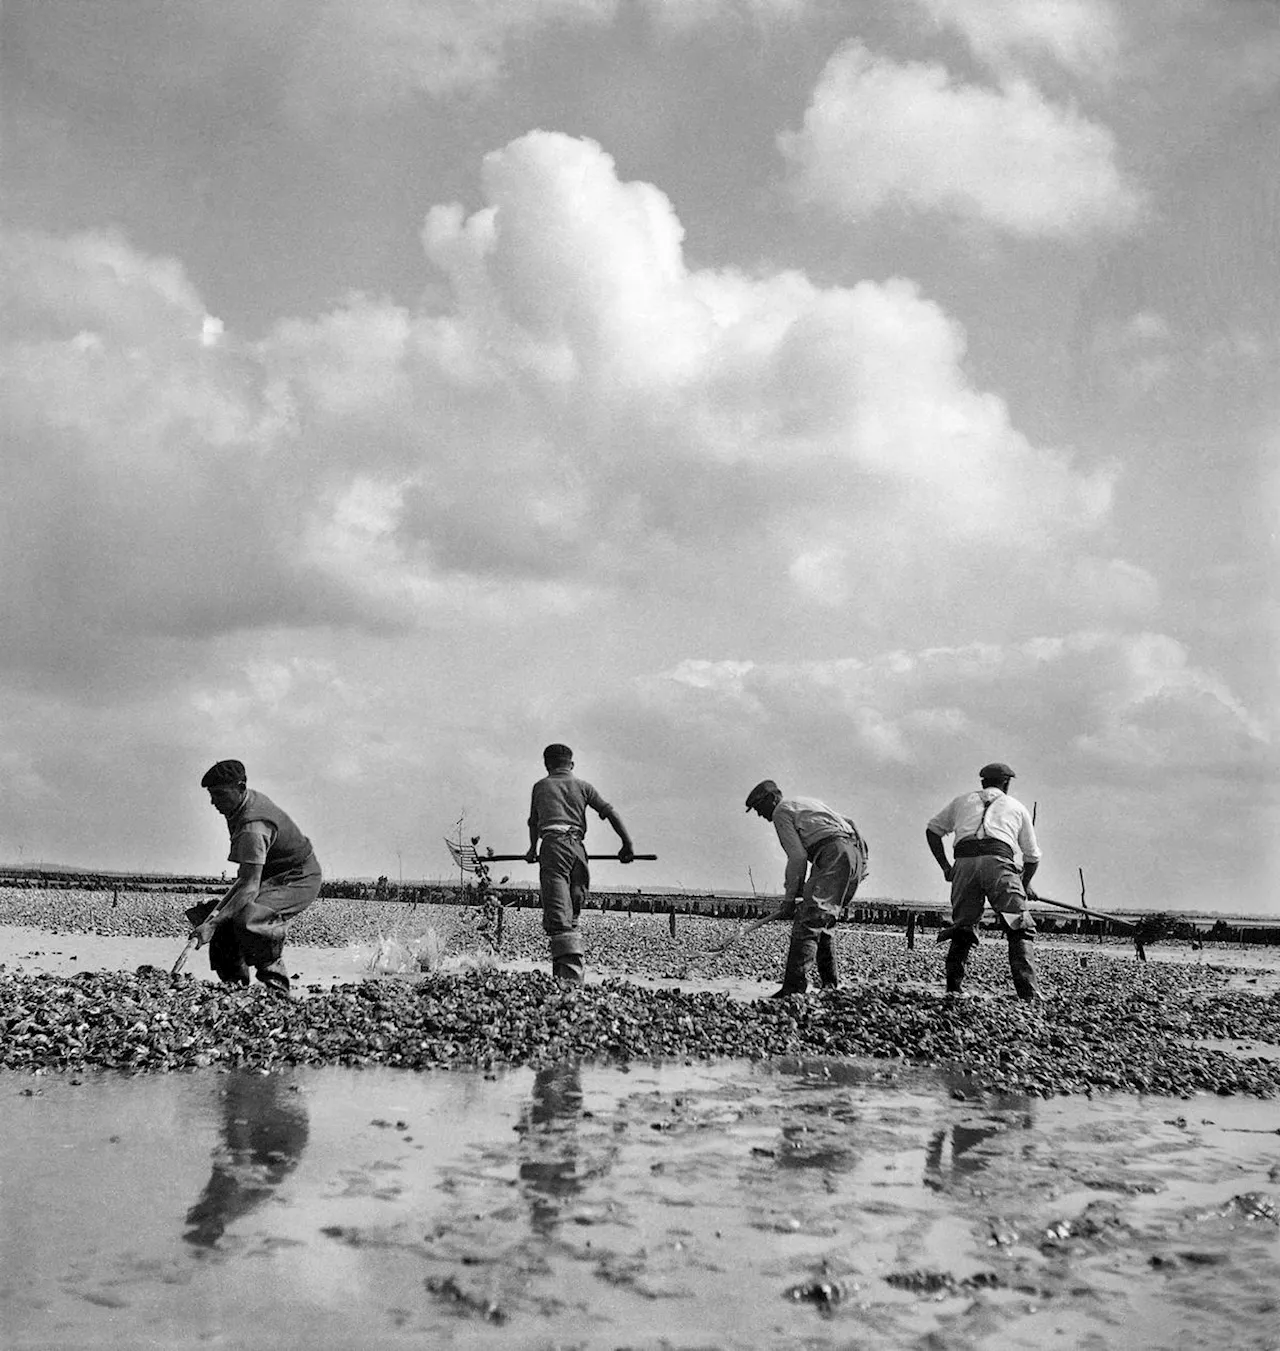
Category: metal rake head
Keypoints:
(465, 856)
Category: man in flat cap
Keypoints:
(278, 878)
(996, 855)
(828, 846)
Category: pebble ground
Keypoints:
(1106, 1024)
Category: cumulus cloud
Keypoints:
(878, 133)
(1081, 35)
(1135, 701)
(1139, 756)
(585, 412)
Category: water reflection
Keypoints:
(550, 1169)
(953, 1152)
(264, 1131)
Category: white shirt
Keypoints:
(801, 822)
(987, 813)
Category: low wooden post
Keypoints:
(501, 916)
(911, 931)
(672, 918)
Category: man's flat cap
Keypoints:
(997, 769)
(225, 772)
(763, 790)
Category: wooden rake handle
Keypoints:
(183, 955)
(521, 858)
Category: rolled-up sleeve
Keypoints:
(945, 821)
(252, 843)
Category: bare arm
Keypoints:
(241, 892)
(627, 853)
(934, 841)
(532, 855)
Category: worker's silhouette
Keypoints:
(264, 1131)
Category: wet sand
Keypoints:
(785, 1202)
(791, 1204)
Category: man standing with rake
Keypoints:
(816, 838)
(993, 832)
(557, 827)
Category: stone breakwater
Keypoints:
(1114, 1035)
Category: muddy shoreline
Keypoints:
(1108, 1023)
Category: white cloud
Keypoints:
(1083, 36)
(1148, 769)
(881, 134)
(1134, 701)
(1107, 586)
(585, 414)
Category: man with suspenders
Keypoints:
(996, 855)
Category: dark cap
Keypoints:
(997, 769)
(223, 773)
(557, 754)
(764, 789)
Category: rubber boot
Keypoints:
(963, 942)
(1024, 973)
(275, 977)
(801, 964)
(567, 964)
(828, 975)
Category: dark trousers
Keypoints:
(563, 879)
(834, 867)
(254, 935)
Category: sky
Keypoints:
(843, 393)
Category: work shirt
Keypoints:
(560, 802)
(987, 813)
(802, 823)
(262, 833)
(253, 843)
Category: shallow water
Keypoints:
(793, 1204)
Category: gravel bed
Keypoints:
(1105, 1025)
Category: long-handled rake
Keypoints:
(466, 857)
(947, 932)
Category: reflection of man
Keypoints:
(551, 1170)
(993, 836)
(264, 1131)
(278, 878)
(811, 833)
